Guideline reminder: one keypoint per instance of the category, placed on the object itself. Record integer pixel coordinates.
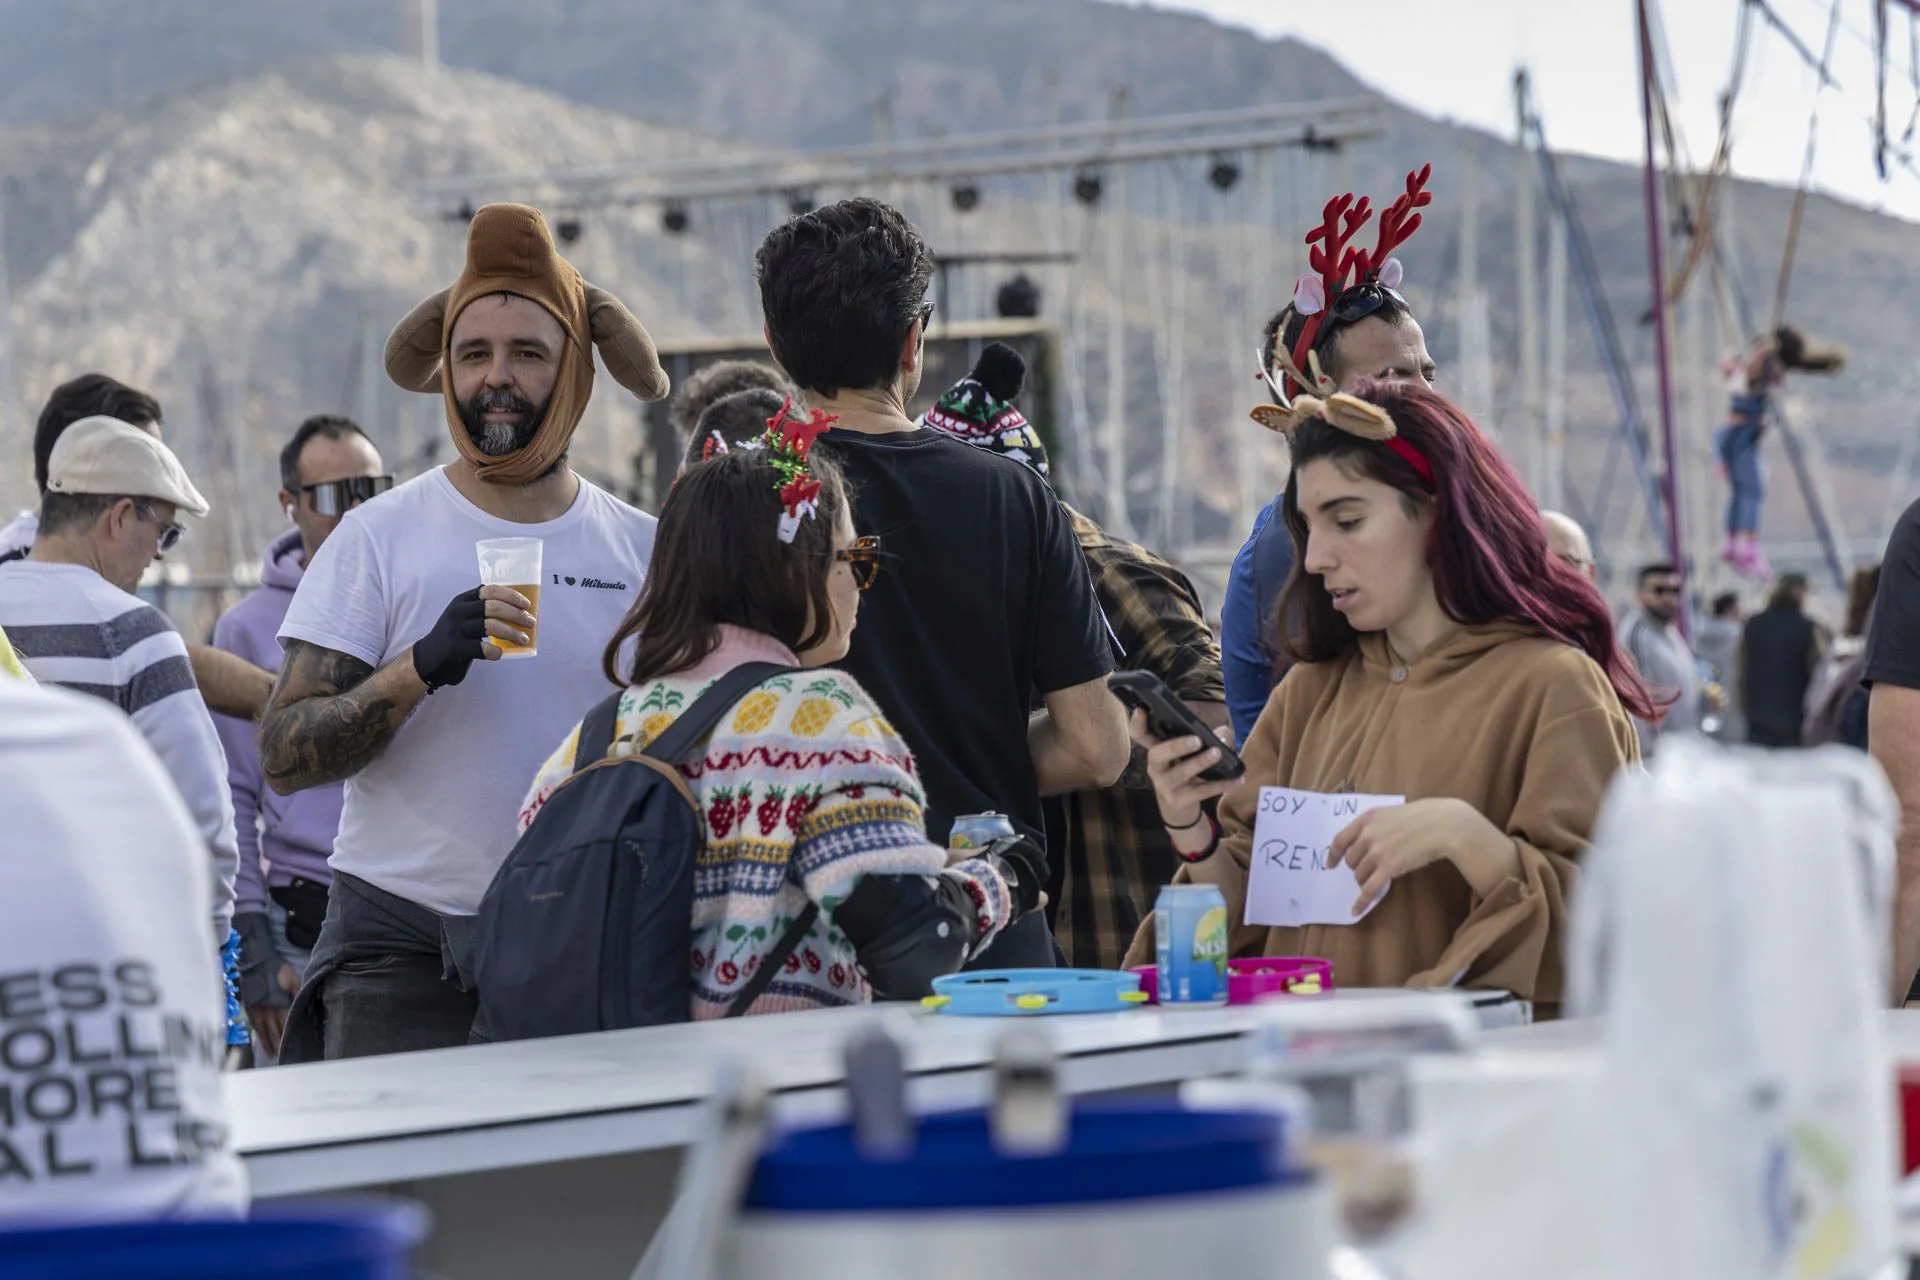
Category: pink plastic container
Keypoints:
(1254, 979)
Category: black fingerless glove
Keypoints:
(1027, 862)
(441, 657)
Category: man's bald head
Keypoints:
(1567, 540)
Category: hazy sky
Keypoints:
(1456, 58)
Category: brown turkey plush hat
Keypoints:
(510, 250)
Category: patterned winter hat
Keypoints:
(979, 409)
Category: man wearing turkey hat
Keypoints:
(388, 620)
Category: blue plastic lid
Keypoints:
(1115, 1151)
(337, 1240)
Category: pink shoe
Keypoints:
(1754, 564)
(1730, 552)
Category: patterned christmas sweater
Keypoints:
(806, 788)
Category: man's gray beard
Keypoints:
(497, 439)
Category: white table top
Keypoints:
(1902, 1028)
(354, 1123)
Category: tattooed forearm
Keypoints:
(1135, 776)
(331, 715)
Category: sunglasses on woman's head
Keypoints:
(337, 497)
(864, 559)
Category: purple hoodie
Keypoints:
(280, 836)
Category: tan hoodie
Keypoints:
(1525, 729)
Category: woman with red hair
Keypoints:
(1444, 656)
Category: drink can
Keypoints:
(1190, 930)
(978, 830)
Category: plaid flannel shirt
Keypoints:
(1112, 852)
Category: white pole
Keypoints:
(1554, 464)
(1476, 338)
(1260, 290)
(1527, 313)
(1116, 423)
(9, 391)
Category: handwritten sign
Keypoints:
(1290, 883)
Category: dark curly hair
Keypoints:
(841, 287)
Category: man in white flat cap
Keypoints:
(113, 495)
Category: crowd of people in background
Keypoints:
(875, 624)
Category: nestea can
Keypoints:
(978, 830)
(1190, 930)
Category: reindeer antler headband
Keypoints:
(1341, 273)
(788, 442)
(1350, 414)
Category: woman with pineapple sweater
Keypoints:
(809, 794)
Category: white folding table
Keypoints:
(558, 1156)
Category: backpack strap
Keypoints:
(776, 959)
(698, 720)
(597, 730)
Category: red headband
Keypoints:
(1340, 267)
(1415, 459)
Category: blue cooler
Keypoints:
(323, 1241)
(1139, 1192)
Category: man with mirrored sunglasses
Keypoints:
(327, 468)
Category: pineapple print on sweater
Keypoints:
(805, 788)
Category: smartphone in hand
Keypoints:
(1168, 717)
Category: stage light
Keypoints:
(1086, 187)
(801, 202)
(568, 229)
(966, 197)
(1018, 299)
(1312, 141)
(1224, 173)
(673, 218)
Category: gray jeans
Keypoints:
(387, 976)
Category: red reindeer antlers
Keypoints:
(1398, 223)
(1339, 266)
(1328, 251)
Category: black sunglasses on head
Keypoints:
(1357, 303)
(337, 497)
(1362, 301)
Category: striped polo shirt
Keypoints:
(72, 627)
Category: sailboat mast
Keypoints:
(1656, 262)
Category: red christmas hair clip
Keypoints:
(788, 442)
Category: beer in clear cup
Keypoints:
(515, 563)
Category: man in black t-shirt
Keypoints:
(1892, 675)
(985, 601)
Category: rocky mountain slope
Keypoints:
(239, 241)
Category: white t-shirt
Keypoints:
(112, 1010)
(434, 815)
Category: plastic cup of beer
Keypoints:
(515, 563)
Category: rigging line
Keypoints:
(1792, 247)
(1799, 46)
(1880, 88)
(1913, 69)
(1711, 182)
